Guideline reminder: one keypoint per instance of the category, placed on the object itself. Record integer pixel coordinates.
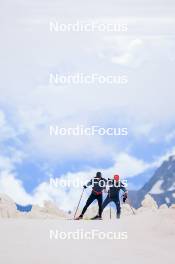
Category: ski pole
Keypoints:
(109, 207)
(79, 203)
(131, 207)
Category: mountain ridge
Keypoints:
(161, 186)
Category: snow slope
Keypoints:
(151, 239)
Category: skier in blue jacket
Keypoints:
(115, 185)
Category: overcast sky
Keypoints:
(29, 52)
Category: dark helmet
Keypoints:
(98, 174)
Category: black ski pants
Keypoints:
(91, 198)
(112, 199)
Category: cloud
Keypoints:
(128, 166)
(29, 104)
(65, 196)
(170, 136)
(131, 53)
(6, 131)
(69, 188)
(13, 187)
(159, 159)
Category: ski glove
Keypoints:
(125, 197)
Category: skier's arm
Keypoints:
(125, 195)
(88, 184)
(105, 185)
(123, 188)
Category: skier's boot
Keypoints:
(97, 217)
(118, 216)
(79, 217)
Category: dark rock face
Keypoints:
(161, 186)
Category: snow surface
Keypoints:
(169, 167)
(172, 188)
(167, 199)
(156, 189)
(151, 239)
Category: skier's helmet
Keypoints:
(98, 174)
(116, 178)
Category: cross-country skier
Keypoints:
(98, 185)
(115, 185)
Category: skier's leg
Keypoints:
(105, 203)
(91, 198)
(118, 208)
(100, 200)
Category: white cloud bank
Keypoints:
(66, 198)
(33, 105)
